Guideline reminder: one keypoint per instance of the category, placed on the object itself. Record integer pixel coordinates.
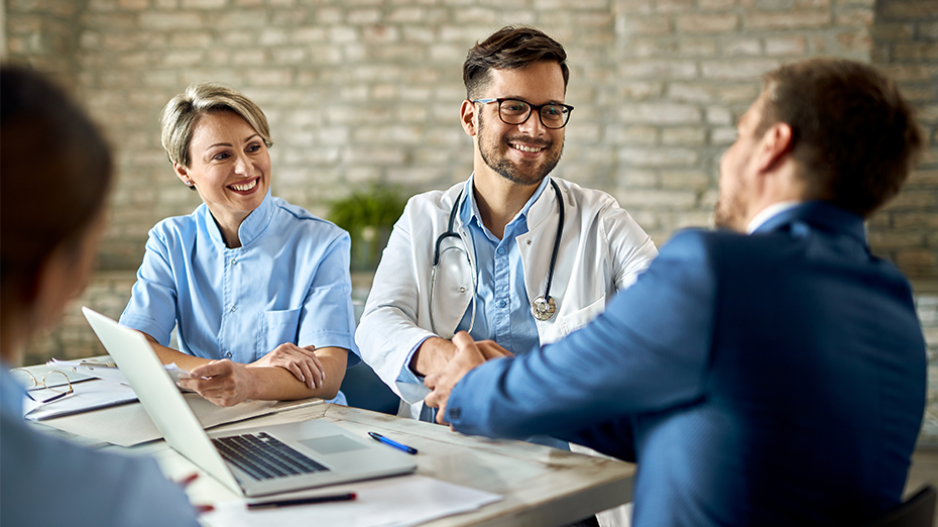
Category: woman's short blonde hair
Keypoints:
(181, 114)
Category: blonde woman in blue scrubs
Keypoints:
(259, 289)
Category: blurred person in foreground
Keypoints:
(258, 289)
(772, 372)
(55, 172)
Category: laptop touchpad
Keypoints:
(332, 444)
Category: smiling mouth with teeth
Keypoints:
(529, 149)
(246, 186)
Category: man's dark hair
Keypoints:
(854, 135)
(55, 173)
(507, 49)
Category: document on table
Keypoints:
(86, 396)
(130, 425)
(97, 368)
(106, 387)
(389, 502)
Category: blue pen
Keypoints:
(378, 437)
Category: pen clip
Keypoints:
(97, 364)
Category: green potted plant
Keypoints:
(368, 215)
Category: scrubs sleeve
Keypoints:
(328, 317)
(152, 305)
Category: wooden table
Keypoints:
(542, 486)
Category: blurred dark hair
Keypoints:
(507, 49)
(855, 137)
(55, 173)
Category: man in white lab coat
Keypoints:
(511, 255)
(601, 248)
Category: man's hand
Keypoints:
(222, 382)
(301, 362)
(432, 356)
(469, 355)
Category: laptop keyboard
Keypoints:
(265, 457)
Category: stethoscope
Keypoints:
(543, 307)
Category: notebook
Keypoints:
(254, 461)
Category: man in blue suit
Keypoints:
(769, 373)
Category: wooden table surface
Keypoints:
(541, 486)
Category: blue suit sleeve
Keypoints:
(647, 352)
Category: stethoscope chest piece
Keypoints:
(544, 308)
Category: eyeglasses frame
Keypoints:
(42, 383)
(531, 109)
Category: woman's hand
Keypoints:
(222, 382)
(301, 362)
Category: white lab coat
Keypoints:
(602, 250)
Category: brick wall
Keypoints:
(369, 90)
(45, 33)
(906, 46)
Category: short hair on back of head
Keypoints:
(855, 137)
(182, 113)
(56, 171)
(507, 49)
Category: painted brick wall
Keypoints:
(369, 90)
(906, 46)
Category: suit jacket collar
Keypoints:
(819, 214)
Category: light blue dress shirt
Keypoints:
(48, 481)
(288, 282)
(503, 313)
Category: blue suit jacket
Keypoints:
(771, 379)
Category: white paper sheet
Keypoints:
(389, 502)
(130, 425)
(86, 369)
(87, 396)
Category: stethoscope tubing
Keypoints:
(450, 232)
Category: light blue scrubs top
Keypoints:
(288, 282)
(47, 481)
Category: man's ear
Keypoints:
(183, 173)
(467, 116)
(776, 143)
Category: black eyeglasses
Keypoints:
(515, 111)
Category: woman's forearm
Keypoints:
(281, 385)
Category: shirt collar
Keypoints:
(252, 226)
(770, 212)
(470, 209)
(11, 392)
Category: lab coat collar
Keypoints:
(470, 208)
(535, 211)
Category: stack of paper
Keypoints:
(388, 502)
(86, 396)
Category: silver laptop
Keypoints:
(253, 461)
